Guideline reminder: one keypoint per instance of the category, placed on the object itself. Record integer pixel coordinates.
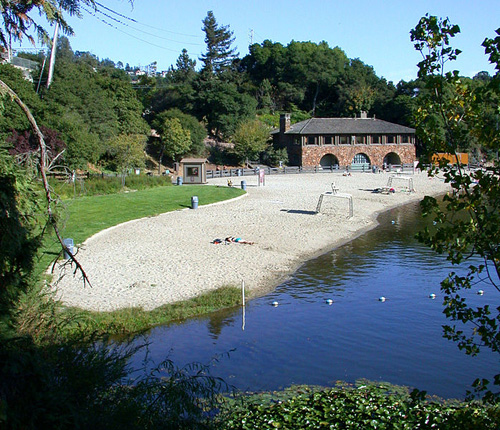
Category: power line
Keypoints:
(131, 35)
(147, 25)
(136, 29)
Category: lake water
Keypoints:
(304, 340)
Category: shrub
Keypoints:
(99, 185)
(366, 407)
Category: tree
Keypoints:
(20, 236)
(90, 106)
(219, 55)
(174, 139)
(126, 152)
(11, 117)
(223, 107)
(185, 68)
(250, 139)
(188, 122)
(450, 114)
(64, 49)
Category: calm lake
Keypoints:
(304, 340)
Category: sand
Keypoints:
(158, 260)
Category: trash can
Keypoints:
(179, 180)
(70, 245)
(244, 185)
(194, 202)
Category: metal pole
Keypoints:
(53, 56)
(41, 73)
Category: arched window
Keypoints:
(361, 159)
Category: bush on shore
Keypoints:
(99, 185)
(369, 406)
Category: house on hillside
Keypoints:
(357, 142)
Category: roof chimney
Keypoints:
(363, 114)
(284, 122)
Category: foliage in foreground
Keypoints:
(451, 116)
(368, 407)
(87, 383)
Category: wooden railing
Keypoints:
(229, 173)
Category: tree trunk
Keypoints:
(160, 158)
(314, 100)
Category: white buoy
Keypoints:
(432, 296)
(329, 301)
(381, 299)
(480, 292)
(275, 304)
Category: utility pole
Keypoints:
(53, 56)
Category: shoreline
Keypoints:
(160, 260)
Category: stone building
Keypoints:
(356, 142)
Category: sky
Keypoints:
(375, 31)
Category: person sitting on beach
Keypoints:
(232, 239)
(217, 241)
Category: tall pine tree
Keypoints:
(220, 54)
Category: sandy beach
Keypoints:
(153, 261)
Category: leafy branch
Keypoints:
(454, 112)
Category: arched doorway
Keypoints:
(392, 158)
(329, 161)
(360, 162)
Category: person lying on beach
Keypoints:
(217, 241)
(232, 239)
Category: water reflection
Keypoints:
(306, 340)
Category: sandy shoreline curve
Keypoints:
(158, 260)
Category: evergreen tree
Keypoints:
(219, 55)
(184, 63)
(184, 71)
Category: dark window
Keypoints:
(391, 138)
(192, 171)
(376, 138)
(360, 139)
(405, 138)
(343, 140)
(311, 140)
(328, 140)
